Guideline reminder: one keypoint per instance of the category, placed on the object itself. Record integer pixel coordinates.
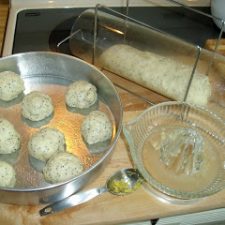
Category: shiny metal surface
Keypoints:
(123, 182)
(51, 73)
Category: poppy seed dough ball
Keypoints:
(9, 137)
(11, 85)
(81, 94)
(61, 167)
(37, 106)
(7, 175)
(96, 127)
(45, 143)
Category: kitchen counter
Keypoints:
(107, 209)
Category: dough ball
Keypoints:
(11, 85)
(7, 175)
(61, 167)
(9, 137)
(46, 142)
(81, 94)
(96, 127)
(37, 106)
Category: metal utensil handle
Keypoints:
(72, 200)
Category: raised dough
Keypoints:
(9, 137)
(11, 85)
(61, 167)
(7, 175)
(46, 142)
(96, 127)
(37, 106)
(81, 94)
(159, 73)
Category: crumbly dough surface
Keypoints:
(7, 175)
(81, 94)
(61, 167)
(37, 106)
(96, 127)
(45, 143)
(157, 72)
(9, 137)
(11, 85)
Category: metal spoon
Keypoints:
(123, 182)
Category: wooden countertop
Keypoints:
(4, 6)
(106, 209)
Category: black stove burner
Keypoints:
(43, 29)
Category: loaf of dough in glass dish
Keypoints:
(158, 73)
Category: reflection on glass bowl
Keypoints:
(179, 149)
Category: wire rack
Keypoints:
(126, 19)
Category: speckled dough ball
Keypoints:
(11, 85)
(81, 94)
(7, 175)
(96, 127)
(61, 167)
(37, 106)
(9, 137)
(46, 142)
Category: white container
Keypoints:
(218, 11)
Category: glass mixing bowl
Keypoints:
(179, 149)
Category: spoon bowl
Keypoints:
(123, 182)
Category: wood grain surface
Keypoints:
(4, 8)
(211, 45)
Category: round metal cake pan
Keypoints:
(51, 73)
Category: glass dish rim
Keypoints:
(182, 195)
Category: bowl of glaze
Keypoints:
(179, 149)
(51, 73)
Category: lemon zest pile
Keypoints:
(121, 186)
